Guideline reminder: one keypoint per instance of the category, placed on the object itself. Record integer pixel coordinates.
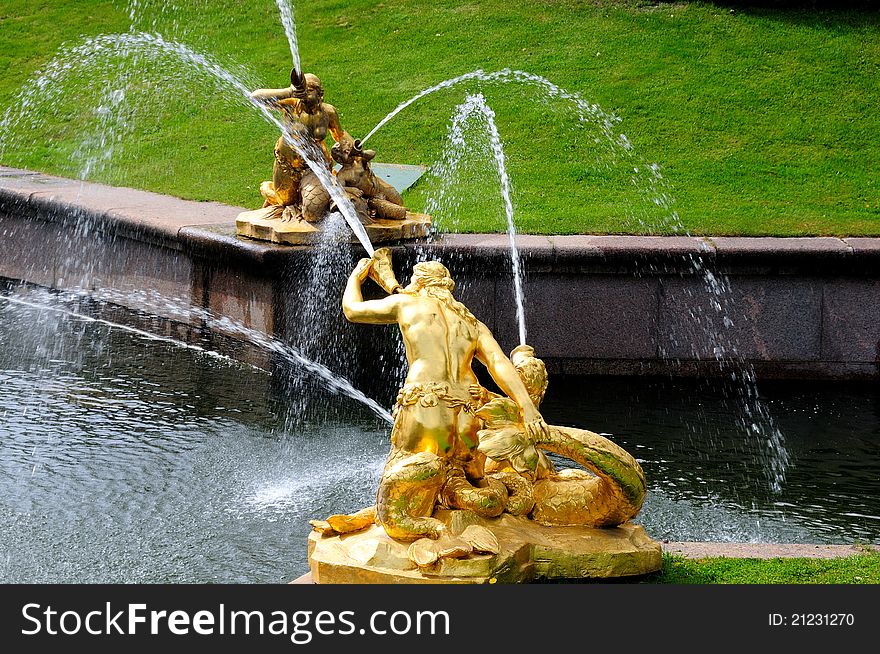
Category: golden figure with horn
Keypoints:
(308, 118)
(298, 197)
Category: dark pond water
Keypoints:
(124, 459)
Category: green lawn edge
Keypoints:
(761, 122)
(856, 569)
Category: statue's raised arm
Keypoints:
(376, 312)
(272, 97)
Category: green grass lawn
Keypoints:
(763, 121)
(861, 569)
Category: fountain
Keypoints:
(470, 504)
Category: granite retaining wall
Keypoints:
(620, 305)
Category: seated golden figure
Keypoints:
(300, 196)
(309, 120)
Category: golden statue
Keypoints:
(371, 196)
(295, 199)
(304, 114)
(467, 492)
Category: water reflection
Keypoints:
(124, 459)
(705, 475)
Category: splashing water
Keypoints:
(611, 147)
(330, 381)
(756, 422)
(47, 86)
(127, 328)
(585, 110)
(478, 103)
(96, 148)
(145, 15)
(714, 321)
(313, 317)
(45, 91)
(475, 110)
(288, 20)
(753, 417)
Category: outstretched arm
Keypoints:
(273, 97)
(356, 309)
(508, 380)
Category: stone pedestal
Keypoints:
(527, 552)
(266, 225)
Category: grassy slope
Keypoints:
(763, 122)
(862, 569)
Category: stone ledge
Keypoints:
(610, 305)
(209, 227)
(702, 550)
(705, 550)
(138, 215)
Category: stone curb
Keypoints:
(138, 215)
(608, 305)
(765, 551)
(704, 550)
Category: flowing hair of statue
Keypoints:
(437, 283)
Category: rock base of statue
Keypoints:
(267, 224)
(526, 552)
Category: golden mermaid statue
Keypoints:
(460, 450)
